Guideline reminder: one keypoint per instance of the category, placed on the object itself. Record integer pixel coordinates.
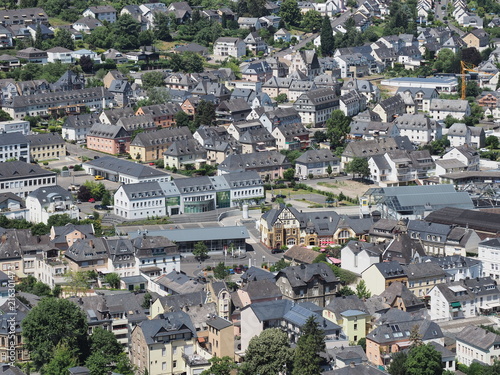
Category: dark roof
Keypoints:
(166, 324)
(478, 220)
(218, 323)
(19, 169)
(301, 275)
(478, 337)
(256, 273)
(126, 167)
(45, 139)
(262, 289)
(399, 290)
(390, 269)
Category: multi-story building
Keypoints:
(291, 137)
(464, 298)
(422, 277)
(220, 337)
(418, 128)
(489, 255)
(162, 114)
(150, 146)
(316, 162)
(22, 178)
(102, 13)
(14, 146)
(316, 106)
(155, 255)
(47, 201)
(475, 344)
(76, 128)
(183, 153)
(111, 139)
(441, 108)
(15, 126)
(226, 47)
(314, 283)
(46, 146)
(381, 275)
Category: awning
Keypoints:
(404, 344)
(150, 269)
(456, 304)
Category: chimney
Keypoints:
(352, 365)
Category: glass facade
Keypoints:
(223, 199)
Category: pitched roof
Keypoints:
(126, 167)
(478, 337)
(303, 274)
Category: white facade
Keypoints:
(357, 262)
(56, 203)
(65, 57)
(468, 352)
(442, 108)
(229, 47)
(107, 15)
(489, 255)
(15, 126)
(14, 146)
(145, 203)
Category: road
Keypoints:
(438, 12)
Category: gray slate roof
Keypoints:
(126, 167)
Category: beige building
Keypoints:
(150, 146)
(379, 276)
(220, 337)
(46, 146)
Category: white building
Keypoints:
(489, 255)
(464, 299)
(140, 201)
(418, 128)
(358, 256)
(15, 126)
(441, 84)
(102, 13)
(477, 344)
(226, 47)
(45, 202)
(14, 146)
(441, 108)
(465, 154)
(316, 162)
(21, 178)
(64, 55)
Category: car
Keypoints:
(151, 163)
(100, 207)
(90, 217)
(98, 177)
(91, 200)
(283, 196)
(276, 251)
(78, 201)
(71, 167)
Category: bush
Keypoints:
(64, 168)
(78, 167)
(45, 163)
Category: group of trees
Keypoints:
(270, 352)
(92, 189)
(56, 334)
(205, 115)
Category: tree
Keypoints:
(346, 291)
(268, 353)
(152, 79)
(200, 251)
(83, 193)
(398, 364)
(62, 38)
(162, 29)
(38, 37)
(106, 198)
(290, 12)
(113, 279)
(281, 98)
(329, 170)
(146, 303)
(220, 366)
(472, 89)
(205, 114)
(423, 360)
(105, 352)
(320, 136)
(326, 37)
(361, 291)
(312, 21)
(78, 281)
(158, 95)
(337, 128)
(471, 55)
(492, 142)
(362, 342)
(220, 271)
(311, 343)
(289, 174)
(51, 322)
(358, 166)
(181, 119)
(87, 64)
(63, 358)
(4, 116)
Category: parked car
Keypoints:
(100, 207)
(91, 200)
(276, 251)
(98, 178)
(91, 217)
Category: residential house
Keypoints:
(352, 103)
(149, 146)
(380, 276)
(23, 16)
(398, 296)
(102, 13)
(308, 282)
(316, 106)
(76, 128)
(61, 54)
(291, 137)
(464, 298)
(403, 249)
(489, 256)
(421, 97)
(305, 62)
(458, 267)
(298, 255)
(475, 344)
(357, 256)
(317, 163)
(257, 71)
(133, 123)
(14, 146)
(256, 140)
(255, 43)
(87, 24)
(182, 153)
(111, 139)
(220, 337)
(46, 146)
(390, 108)
(459, 134)
(163, 114)
(249, 23)
(269, 164)
(122, 91)
(422, 277)
(232, 111)
(464, 153)
(32, 55)
(418, 128)
(218, 293)
(63, 237)
(225, 47)
(441, 108)
(12, 342)
(351, 314)
(13, 207)
(182, 11)
(87, 254)
(366, 88)
(395, 337)
(282, 35)
(478, 39)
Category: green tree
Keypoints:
(312, 21)
(289, 174)
(471, 55)
(78, 281)
(220, 366)
(326, 37)
(346, 291)
(492, 142)
(329, 170)
(472, 89)
(200, 251)
(192, 62)
(281, 98)
(63, 357)
(358, 166)
(162, 29)
(361, 290)
(51, 322)
(62, 38)
(38, 37)
(146, 303)
(290, 12)
(311, 343)
(205, 114)
(398, 364)
(320, 136)
(423, 360)
(337, 128)
(220, 271)
(106, 352)
(152, 79)
(4, 116)
(362, 342)
(106, 198)
(181, 119)
(268, 353)
(113, 279)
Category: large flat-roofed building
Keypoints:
(229, 240)
(15, 126)
(22, 178)
(124, 171)
(441, 84)
(412, 202)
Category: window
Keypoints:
(164, 366)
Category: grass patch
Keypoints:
(54, 21)
(166, 46)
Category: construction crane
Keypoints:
(464, 68)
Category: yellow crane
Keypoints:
(471, 68)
